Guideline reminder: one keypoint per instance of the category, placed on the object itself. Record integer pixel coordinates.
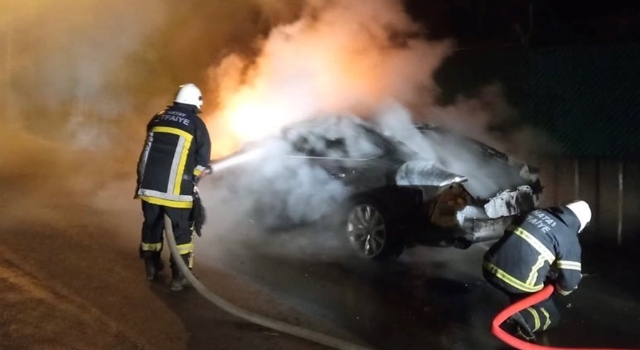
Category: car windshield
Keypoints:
(487, 150)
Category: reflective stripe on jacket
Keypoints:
(177, 149)
(543, 239)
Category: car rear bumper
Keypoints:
(475, 230)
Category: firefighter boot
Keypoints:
(178, 279)
(153, 265)
(518, 327)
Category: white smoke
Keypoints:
(487, 174)
(94, 78)
(61, 68)
(343, 58)
(489, 118)
(339, 56)
(282, 187)
(80, 80)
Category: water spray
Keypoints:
(236, 159)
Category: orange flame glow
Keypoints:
(339, 61)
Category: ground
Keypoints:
(70, 278)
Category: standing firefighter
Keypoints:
(542, 248)
(176, 153)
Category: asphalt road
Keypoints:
(431, 297)
(70, 278)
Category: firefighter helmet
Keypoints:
(582, 211)
(189, 94)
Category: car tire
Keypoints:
(370, 231)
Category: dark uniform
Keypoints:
(541, 248)
(177, 150)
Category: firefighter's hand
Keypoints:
(208, 170)
(197, 230)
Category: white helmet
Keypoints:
(189, 94)
(582, 211)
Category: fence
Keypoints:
(610, 186)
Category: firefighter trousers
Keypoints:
(153, 229)
(539, 317)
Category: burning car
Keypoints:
(387, 191)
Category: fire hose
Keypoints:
(519, 306)
(247, 315)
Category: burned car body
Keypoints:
(397, 196)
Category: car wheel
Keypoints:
(369, 232)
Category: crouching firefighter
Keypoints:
(176, 154)
(540, 248)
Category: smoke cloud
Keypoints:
(487, 174)
(60, 103)
(81, 80)
(339, 56)
(489, 118)
(342, 58)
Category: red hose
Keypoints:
(519, 306)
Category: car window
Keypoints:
(320, 146)
(352, 142)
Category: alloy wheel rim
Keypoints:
(366, 230)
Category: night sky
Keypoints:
(562, 22)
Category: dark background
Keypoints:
(538, 23)
(571, 69)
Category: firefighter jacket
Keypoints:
(177, 149)
(540, 242)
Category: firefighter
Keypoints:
(176, 154)
(541, 247)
